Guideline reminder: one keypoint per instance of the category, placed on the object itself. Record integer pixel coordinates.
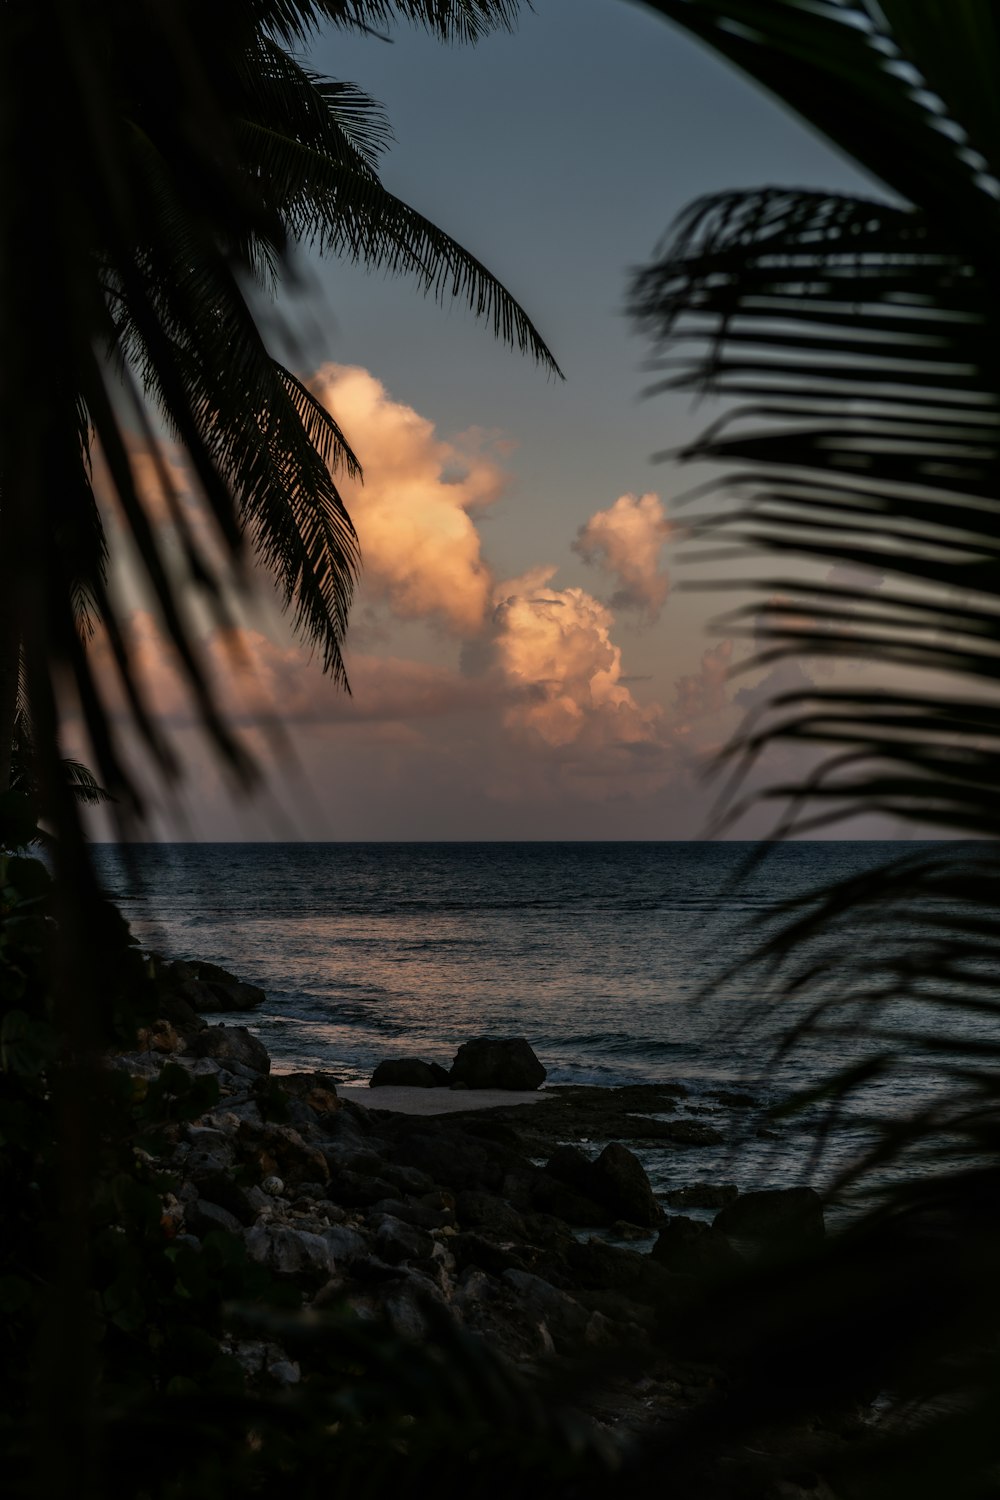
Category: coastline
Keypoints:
(520, 1220)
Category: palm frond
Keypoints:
(856, 351)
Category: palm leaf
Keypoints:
(852, 343)
(856, 351)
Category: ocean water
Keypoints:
(606, 956)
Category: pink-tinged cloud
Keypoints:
(258, 681)
(626, 541)
(554, 653)
(420, 549)
(701, 693)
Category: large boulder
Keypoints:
(409, 1073)
(624, 1187)
(774, 1216)
(205, 986)
(616, 1182)
(496, 1063)
(231, 1044)
(692, 1248)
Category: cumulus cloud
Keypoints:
(699, 694)
(626, 540)
(554, 652)
(421, 551)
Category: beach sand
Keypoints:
(410, 1101)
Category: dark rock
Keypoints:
(774, 1215)
(279, 1150)
(476, 1252)
(492, 1216)
(291, 1252)
(616, 1182)
(231, 1043)
(689, 1133)
(312, 1190)
(496, 1063)
(317, 1090)
(692, 1248)
(548, 1195)
(346, 1244)
(417, 1214)
(608, 1268)
(204, 986)
(202, 1216)
(573, 1167)
(356, 1189)
(455, 1159)
(395, 1241)
(407, 1179)
(703, 1195)
(407, 1073)
(624, 1187)
(563, 1317)
(220, 1188)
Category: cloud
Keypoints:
(421, 551)
(702, 693)
(257, 680)
(553, 651)
(626, 540)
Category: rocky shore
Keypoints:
(533, 1229)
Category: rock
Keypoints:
(161, 1036)
(290, 1252)
(205, 986)
(703, 1195)
(395, 1241)
(312, 1190)
(347, 1244)
(692, 1248)
(616, 1182)
(420, 1215)
(455, 1159)
(490, 1215)
(220, 1188)
(608, 1268)
(407, 1179)
(774, 1216)
(624, 1187)
(562, 1316)
(572, 1166)
(317, 1090)
(408, 1073)
(231, 1044)
(280, 1151)
(548, 1195)
(202, 1216)
(496, 1063)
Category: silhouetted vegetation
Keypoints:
(852, 341)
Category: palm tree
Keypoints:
(853, 341)
(181, 154)
(159, 165)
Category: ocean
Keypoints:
(607, 957)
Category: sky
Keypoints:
(527, 656)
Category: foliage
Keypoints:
(185, 152)
(852, 341)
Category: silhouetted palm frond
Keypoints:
(852, 342)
